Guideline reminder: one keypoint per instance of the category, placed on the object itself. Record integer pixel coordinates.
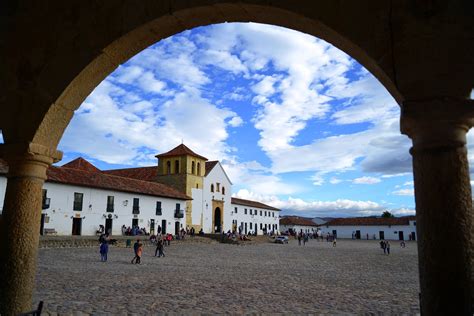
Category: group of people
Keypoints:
(305, 237)
(134, 231)
(160, 241)
(385, 245)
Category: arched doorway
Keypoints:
(217, 222)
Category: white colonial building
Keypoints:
(250, 217)
(295, 224)
(394, 228)
(183, 191)
(78, 198)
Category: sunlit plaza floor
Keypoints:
(211, 278)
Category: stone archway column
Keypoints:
(443, 202)
(20, 223)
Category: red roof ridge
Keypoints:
(148, 173)
(240, 201)
(81, 164)
(180, 150)
(87, 178)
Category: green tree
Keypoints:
(387, 214)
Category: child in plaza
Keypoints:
(104, 249)
(139, 252)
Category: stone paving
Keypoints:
(212, 278)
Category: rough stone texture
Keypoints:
(444, 225)
(443, 201)
(19, 244)
(201, 278)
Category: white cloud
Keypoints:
(366, 180)
(318, 180)
(128, 74)
(409, 183)
(404, 192)
(308, 74)
(222, 59)
(256, 178)
(149, 83)
(339, 207)
(132, 133)
(334, 180)
(173, 61)
(266, 86)
(236, 121)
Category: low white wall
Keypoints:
(298, 228)
(390, 232)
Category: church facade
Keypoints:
(184, 190)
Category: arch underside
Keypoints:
(86, 56)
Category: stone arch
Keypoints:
(407, 45)
(148, 28)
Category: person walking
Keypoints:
(135, 250)
(104, 249)
(387, 245)
(139, 252)
(383, 246)
(160, 249)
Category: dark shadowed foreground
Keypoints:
(353, 278)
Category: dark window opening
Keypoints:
(176, 166)
(78, 197)
(158, 208)
(136, 206)
(168, 167)
(46, 200)
(110, 203)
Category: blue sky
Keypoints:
(296, 122)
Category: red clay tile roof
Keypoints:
(210, 165)
(81, 164)
(111, 182)
(370, 221)
(252, 203)
(180, 151)
(296, 220)
(143, 173)
(82, 173)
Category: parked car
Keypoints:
(281, 239)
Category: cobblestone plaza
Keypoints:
(211, 278)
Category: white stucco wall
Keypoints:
(298, 228)
(197, 202)
(216, 175)
(95, 205)
(390, 232)
(272, 218)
